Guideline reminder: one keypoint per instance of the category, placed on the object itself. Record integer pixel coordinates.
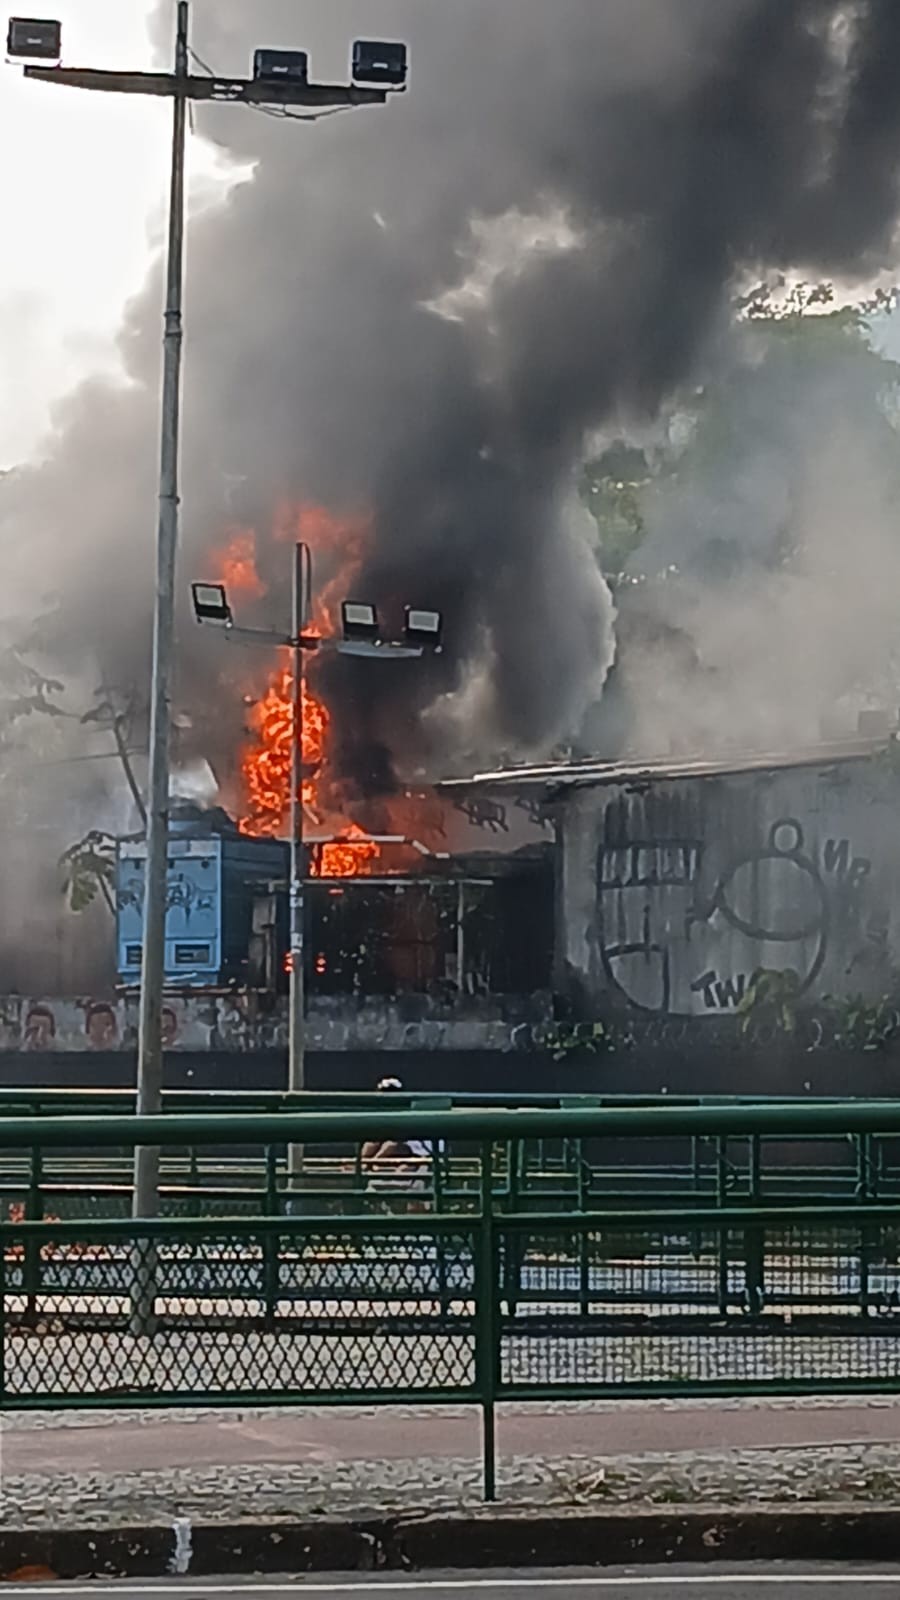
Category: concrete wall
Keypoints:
(241, 1024)
(672, 893)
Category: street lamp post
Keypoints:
(279, 83)
(361, 636)
(297, 898)
(145, 1199)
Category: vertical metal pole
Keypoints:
(584, 1243)
(271, 1241)
(487, 1323)
(755, 1238)
(722, 1234)
(4, 1244)
(460, 937)
(864, 1195)
(296, 1001)
(34, 1212)
(149, 1070)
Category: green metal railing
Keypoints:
(548, 1171)
(515, 1267)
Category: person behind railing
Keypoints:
(404, 1164)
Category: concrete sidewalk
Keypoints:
(152, 1441)
(156, 1469)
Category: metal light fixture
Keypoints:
(34, 39)
(375, 61)
(423, 628)
(359, 622)
(211, 603)
(281, 66)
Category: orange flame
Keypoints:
(267, 759)
(267, 755)
(350, 856)
(235, 565)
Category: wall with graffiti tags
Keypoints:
(675, 893)
(246, 1023)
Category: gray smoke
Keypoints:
(427, 311)
(765, 614)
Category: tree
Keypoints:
(28, 693)
(789, 344)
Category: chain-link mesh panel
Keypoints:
(596, 1308)
(238, 1313)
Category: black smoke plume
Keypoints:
(428, 312)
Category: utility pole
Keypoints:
(145, 1201)
(296, 1024)
(361, 637)
(302, 588)
(280, 83)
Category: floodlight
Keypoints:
(211, 603)
(34, 39)
(281, 66)
(423, 628)
(378, 62)
(359, 621)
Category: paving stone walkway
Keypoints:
(117, 1469)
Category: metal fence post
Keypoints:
(755, 1238)
(584, 1244)
(437, 1185)
(271, 1242)
(722, 1232)
(4, 1241)
(511, 1260)
(34, 1212)
(864, 1194)
(487, 1351)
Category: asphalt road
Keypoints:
(669, 1583)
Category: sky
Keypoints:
(84, 184)
(83, 213)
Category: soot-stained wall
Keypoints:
(672, 893)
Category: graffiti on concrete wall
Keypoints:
(685, 928)
(244, 1023)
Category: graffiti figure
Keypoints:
(657, 931)
(646, 894)
(776, 896)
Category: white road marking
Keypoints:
(385, 1586)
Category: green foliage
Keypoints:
(795, 343)
(862, 1024)
(564, 1039)
(88, 865)
(612, 487)
(771, 997)
(89, 869)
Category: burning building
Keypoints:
(400, 901)
(424, 323)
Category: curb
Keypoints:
(527, 1537)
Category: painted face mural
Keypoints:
(100, 1026)
(40, 1029)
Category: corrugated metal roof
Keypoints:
(726, 763)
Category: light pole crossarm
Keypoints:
(258, 635)
(269, 636)
(240, 91)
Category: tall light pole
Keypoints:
(297, 897)
(145, 1199)
(279, 83)
(361, 636)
